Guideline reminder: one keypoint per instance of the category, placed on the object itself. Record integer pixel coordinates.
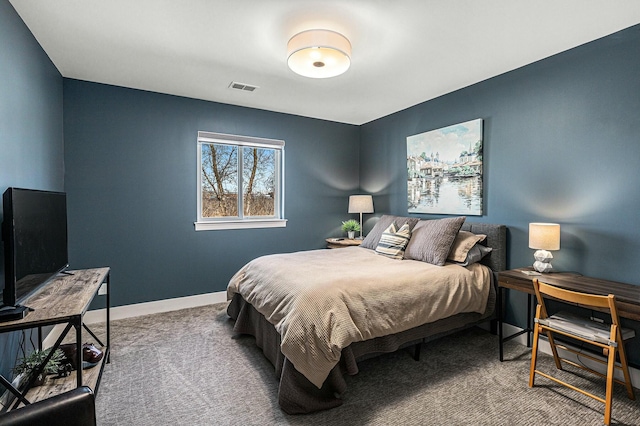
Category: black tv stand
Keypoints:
(12, 313)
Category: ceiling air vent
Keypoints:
(242, 86)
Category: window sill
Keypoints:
(240, 224)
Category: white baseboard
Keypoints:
(156, 307)
(139, 309)
(544, 347)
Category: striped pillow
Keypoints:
(392, 242)
(373, 237)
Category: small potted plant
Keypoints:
(350, 227)
(31, 362)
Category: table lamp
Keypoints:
(544, 237)
(360, 204)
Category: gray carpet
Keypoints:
(188, 368)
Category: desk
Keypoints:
(63, 300)
(627, 295)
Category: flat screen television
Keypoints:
(34, 230)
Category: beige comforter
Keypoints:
(321, 301)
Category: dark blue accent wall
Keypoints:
(561, 144)
(31, 143)
(131, 182)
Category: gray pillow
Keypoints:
(373, 238)
(431, 240)
(476, 254)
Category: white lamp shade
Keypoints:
(544, 236)
(319, 53)
(360, 204)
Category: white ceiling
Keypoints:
(404, 51)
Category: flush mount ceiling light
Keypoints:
(319, 53)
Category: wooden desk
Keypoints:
(64, 300)
(627, 295)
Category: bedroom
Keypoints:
(560, 145)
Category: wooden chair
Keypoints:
(607, 337)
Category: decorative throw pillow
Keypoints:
(373, 238)
(462, 244)
(392, 242)
(432, 239)
(476, 254)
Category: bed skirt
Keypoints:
(296, 395)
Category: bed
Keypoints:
(315, 314)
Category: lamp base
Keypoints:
(542, 267)
(543, 261)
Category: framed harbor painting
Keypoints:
(444, 170)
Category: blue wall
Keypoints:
(131, 182)
(31, 143)
(561, 144)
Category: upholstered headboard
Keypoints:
(496, 239)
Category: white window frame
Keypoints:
(240, 222)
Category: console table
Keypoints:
(64, 300)
(627, 295)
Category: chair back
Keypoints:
(585, 300)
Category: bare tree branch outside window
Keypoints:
(219, 180)
(258, 181)
(221, 167)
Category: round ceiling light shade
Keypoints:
(319, 53)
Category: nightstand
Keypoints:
(333, 243)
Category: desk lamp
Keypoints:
(360, 204)
(544, 237)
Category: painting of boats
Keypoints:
(444, 170)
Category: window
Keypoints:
(240, 182)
